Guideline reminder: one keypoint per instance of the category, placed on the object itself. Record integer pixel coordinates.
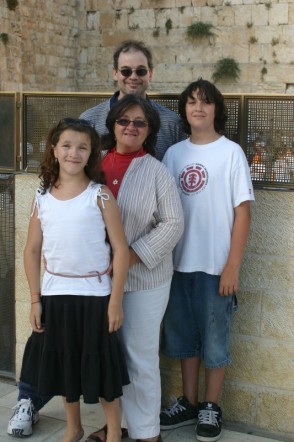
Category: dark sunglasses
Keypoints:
(127, 72)
(137, 123)
(75, 122)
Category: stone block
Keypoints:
(268, 273)
(262, 362)
(113, 39)
(169, 74)
(291, 12)
(279, 14)
(277, 319)
(199, 3)
(23, 326)
(265, 238)
(208, 15)
(92, 5)
(163, 15)
(143, 18)
(183, 3)
(243, 15)
(187, 17)
(247, 319)
(226, 16)
(19, 350)
(155, 4)
(93, 21)
(275, 411)
(260, 15)
(239, 403)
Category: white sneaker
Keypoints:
(24, 417)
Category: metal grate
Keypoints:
(7, 131)
(270, 140)
(41, 113)
(7, 290)
(262, 125)
(233, 126)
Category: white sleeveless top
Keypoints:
(74, 244)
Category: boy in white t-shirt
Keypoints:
(215, 187)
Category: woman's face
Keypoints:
(129, 137)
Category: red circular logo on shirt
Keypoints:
(193, 179)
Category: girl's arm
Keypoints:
(230, 275)
(32, 264)
(120, 251)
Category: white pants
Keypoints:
(141, 400)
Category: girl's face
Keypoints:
(200, 115)
(129, 137)
(72, 151)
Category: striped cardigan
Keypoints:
(152, 215)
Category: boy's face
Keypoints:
(200, 114)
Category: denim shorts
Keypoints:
(197, 320)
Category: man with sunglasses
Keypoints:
(133, 70)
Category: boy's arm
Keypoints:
(230, 275)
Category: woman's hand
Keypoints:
(35, 317)
(115, 315)
(134, 258)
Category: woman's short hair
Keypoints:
(119, 108)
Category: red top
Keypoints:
(115, 165)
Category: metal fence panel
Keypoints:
(7, 131)
(7, 290)
(42, 112)
(270, 140)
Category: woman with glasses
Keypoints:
(153, 222)
(74, 349)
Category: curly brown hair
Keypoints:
(50, 167)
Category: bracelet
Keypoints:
(35, 302)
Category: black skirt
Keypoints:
(76, 355)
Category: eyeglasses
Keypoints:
(75, 122)
(127, 72)
(139, 124)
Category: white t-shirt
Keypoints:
(212, 180)
(74, 243)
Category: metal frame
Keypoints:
(242, 129)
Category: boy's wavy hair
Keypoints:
(208, 93)
(108, 141)
(132, 45)
(49, 167)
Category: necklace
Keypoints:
(118, 174)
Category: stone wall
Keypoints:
(259, 386)
(67, 45)
(258, 394)
(42, 48)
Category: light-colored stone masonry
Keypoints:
(67, 46)
(259, 388)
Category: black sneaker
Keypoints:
(209, 426)
(178, 414)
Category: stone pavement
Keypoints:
(51, 425)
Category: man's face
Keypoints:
(136, 83)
